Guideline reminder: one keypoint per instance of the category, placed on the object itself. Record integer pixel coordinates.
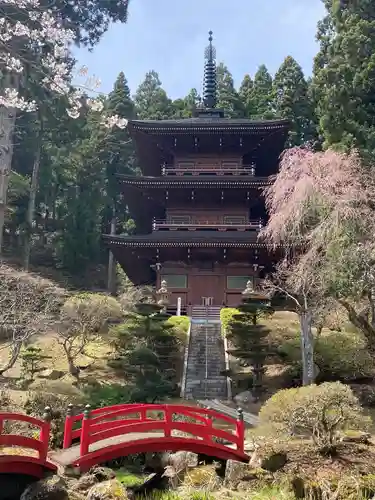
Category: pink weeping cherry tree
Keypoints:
(321, 211)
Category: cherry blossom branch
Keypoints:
(30, 28)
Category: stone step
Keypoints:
(205, 337)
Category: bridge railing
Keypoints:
(73, 423)
(104, 423)
(35, 444)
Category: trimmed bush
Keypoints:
(321, 412)
(339, 356)
(101, 395)
(181, 325)
(92, 311)
(226, 316)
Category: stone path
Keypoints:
(249, 418)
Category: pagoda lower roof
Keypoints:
(209, 181)
(203, 239)
(208, 124)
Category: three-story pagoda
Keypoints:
(198, 206)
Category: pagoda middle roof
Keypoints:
(208, 239)
(209, 124)
(209, 181)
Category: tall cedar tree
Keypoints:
(79, 242)
(151, 100)
(89, 19)
(115, 149)
(147, 350)
(185, 107)
(292, 101)
(344, 75)
(262, 94)
(246, 95)
(249, 338)
(227, 96)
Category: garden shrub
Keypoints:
(92, 311)
(339, 356)
(181, 326)
(226, 315)
(101, 395)
(35, 406)
(321, 412)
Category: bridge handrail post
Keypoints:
(85, 431)
(68, 427)
(210, 422)
(168, 421)
(240, 430)
(143, 414)
(45, 433)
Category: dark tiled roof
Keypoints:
(209, 123)
(212, 181)
(188, 239)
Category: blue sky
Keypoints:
(169, 36)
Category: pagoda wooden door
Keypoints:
(206, 289)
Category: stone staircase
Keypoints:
(204, 313)
(206, 357)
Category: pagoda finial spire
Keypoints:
(209, 89)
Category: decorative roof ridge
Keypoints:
(186, 240)
(197, 180)
(215, 178)
(212, 121)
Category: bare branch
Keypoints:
(29, 304)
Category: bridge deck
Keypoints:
(71, 455)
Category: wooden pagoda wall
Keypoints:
(211, 215)
(199, 282)
(201, 161)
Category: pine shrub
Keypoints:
(321, 412)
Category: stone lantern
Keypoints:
(163, 295)
(249, 290)
(251, 293)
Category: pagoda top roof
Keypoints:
(208, 124)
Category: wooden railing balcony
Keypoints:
(193, 169)
(167, 225)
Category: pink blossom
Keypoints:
(313, 194)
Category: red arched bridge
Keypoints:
(31, 457)
(96, 436)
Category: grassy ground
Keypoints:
(93, 364)
(191, 491)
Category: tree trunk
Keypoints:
(360, 322)
(73, 369)
(7, 126)
(372, 306)
(307, 348)
(111, 284)
(16, 349)
(32, 198)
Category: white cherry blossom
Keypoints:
(34, 27)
